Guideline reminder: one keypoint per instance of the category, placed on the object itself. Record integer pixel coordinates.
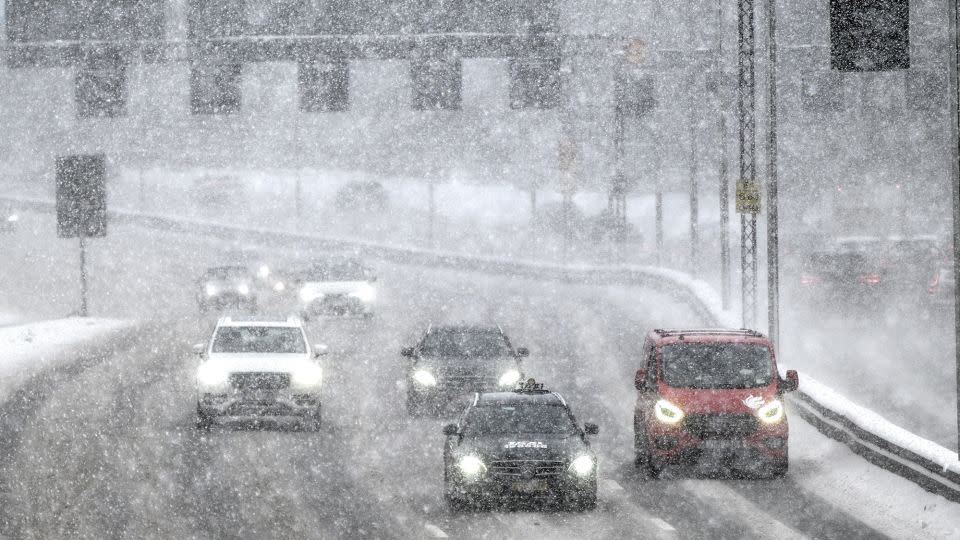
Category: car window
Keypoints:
(259, 339)
(336, 271)
(516, 419)
(717, 365)
(466, 342)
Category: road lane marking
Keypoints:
(435, 532)
(664, 526)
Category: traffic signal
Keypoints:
(81, 196)
(437, 83)
(534, 83)
(215, 87)
(100, 86)
(869, 35)
(324, 85)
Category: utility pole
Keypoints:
(953, 65)
(694, 188)
(748, 159)
(723, 173)
(773, 231)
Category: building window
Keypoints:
(636, 94)
(101, 86)
(436, 84)
(324, 85)
(215, 88)
(534, 83)
(869, 35)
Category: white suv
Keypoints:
(259, 369)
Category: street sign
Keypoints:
(748, 197)
(81, 196)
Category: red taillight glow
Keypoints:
(934, 283)
(807, 279)
(870, 279)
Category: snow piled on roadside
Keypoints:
(28, 349)
(879, 426)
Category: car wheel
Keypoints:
(655, 468)
(203, 421)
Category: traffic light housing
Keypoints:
(81, 196)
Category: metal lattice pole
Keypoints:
(748, 159)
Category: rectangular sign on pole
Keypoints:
(748, 197)
(81, 196)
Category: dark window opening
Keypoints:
(534, 83)
(869, 35)
(101, 86)
(436, 84)
(324, 86)
(215, 88)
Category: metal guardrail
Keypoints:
(922, 470)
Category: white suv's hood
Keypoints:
(311, 290)
(258, 362)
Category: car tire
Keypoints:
(779, 469)
(655, 468)
(203, 420)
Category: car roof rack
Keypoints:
(707, 332)
(531, 386)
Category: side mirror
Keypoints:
(319, 350)
(791, 383)
(640, 380)
(450, 430)
(591, 429)
(523, 352)
(407, 352)
(200, 349)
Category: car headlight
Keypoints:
(308, 376)
(667, 412)
(582, 466)
(243, 289)
(12, 218)
(472, 467)
(279, 286)
(210, 290)
(424, 377)
(308, 295)
(263, 272)
(771, 413)
(365, 293)
(510, 378)
(209, 375)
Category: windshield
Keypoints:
(517, 419)
(467, 342)
(717, 365)
(227, 273)
(259, 339)
(346, 271)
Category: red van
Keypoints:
(711, 393)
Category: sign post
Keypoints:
(81, 206)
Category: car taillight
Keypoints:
(934, 283)
(870, 279)
(807, 279)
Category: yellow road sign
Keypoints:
(748, 197)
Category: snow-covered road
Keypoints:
(110, 450)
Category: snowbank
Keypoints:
(28, 349)
(879, 426)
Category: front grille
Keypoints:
(721, 426)
(260, 381)
(526, 468)
(468, 382)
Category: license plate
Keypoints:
(532, 486)
(723, 444)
